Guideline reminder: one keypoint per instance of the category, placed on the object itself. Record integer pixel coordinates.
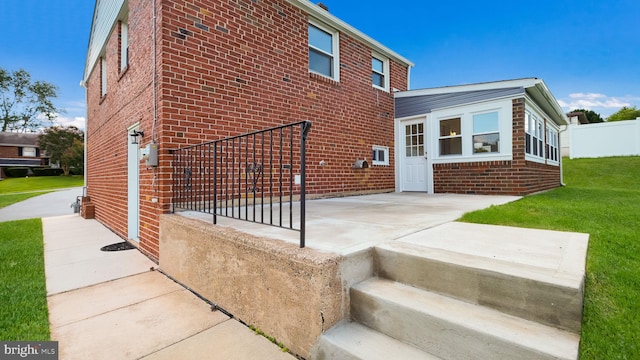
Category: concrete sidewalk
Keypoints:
(113, 305)
(55, 203)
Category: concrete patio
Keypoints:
(349, 224)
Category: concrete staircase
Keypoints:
(432, 301)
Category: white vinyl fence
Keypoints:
(618, 138)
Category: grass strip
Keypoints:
(23, 296)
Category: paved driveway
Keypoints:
(51, 204)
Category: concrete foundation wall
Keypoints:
(289, 293)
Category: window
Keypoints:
(323, 51)
(486, 135)
(450, 137)
(552, 144)
(414, 141)
(380, 155)
(29, 151)
(379, 72)
(124, 44)
(527, 130)
(103, 75)
(534, 135)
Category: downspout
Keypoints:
(155, 88)
(83, 83)
(566, 127)
(155, 76)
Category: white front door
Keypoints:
(133, 189)
(413, 156)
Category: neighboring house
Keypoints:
(207, 70)
(488, 138)
(20, 150)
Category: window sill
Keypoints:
(123, 71)
(102, 99)
(380, 88)
(323, 78)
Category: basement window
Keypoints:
(380, 155)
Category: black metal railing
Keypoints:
(258, 177)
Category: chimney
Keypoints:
(325, 7)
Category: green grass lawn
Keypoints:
(14, 190)
(23, 295)
(602, 198)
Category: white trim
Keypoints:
(384, 149)
(323, 15)
(105, 18)
(133, 186)
(124, 43)
(465, 113)
(335, 44)
(524, 83)
(399, 150)
(103, 76)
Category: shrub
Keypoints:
(76, 171)
(17, 171)
(45, 171)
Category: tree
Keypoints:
(25, 105)
(64, 145)
(626, 113)
(591, 115)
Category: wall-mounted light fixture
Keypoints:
(134, 136)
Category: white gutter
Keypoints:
(323, 15)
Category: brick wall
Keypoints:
(514, 177)
(129, 100)
(9, 151)
(226, 68)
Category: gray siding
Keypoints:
(424, 104)
(105, 16)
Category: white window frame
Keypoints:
(29, 151)
(384, 73)
(103, 75)
(376, 149)
(473, 133)
(452, 135)
(552, 145)
(124, 44)
(335, 56)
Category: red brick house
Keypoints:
(206, 70)
(21, 150)
(489, 138)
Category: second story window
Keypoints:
(124, 44)
(323, 51)
(103, 75)
(379, 72)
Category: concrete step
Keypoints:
(353, 341)
(454, 329)
(498, 277)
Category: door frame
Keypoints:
(399, 151)
(133, 186)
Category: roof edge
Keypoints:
(323, 15)
(490, 85)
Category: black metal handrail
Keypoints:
(251, 177)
